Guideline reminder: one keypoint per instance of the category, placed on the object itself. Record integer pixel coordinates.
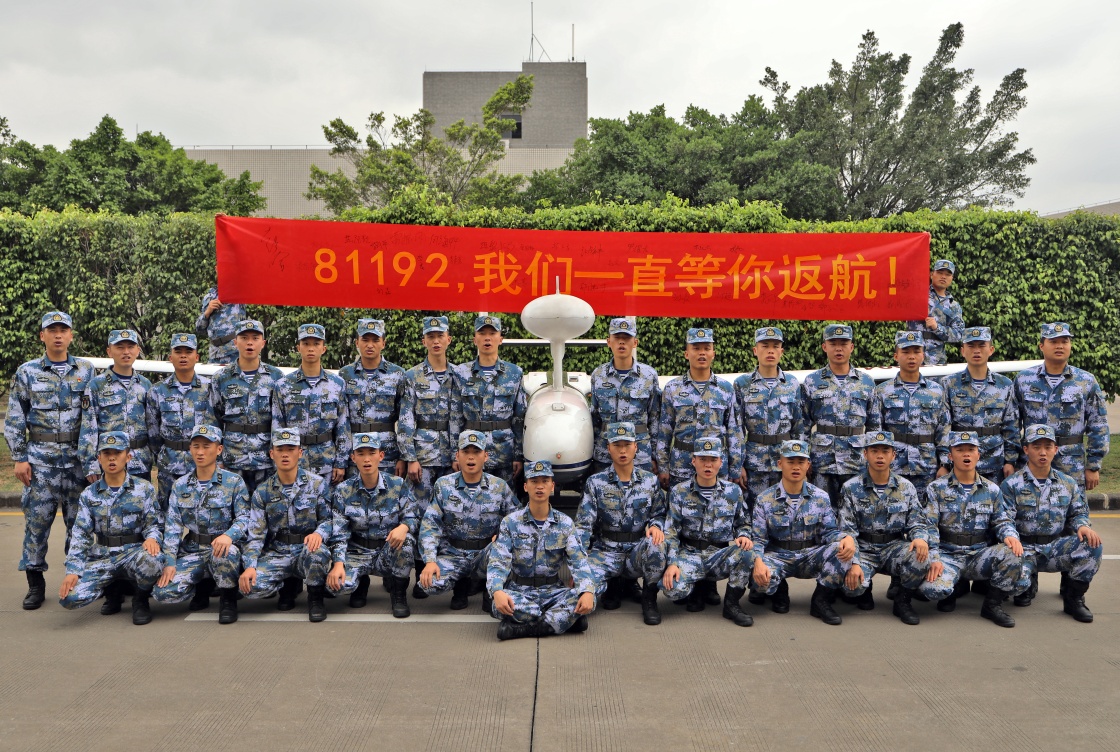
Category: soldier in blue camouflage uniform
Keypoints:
(218, 322)
(241, 396)
(424, 427)
(175, 406)
(945, 322)
(836, 403)
(115, 400)
(882, 511)
(620, 524)
(984, 402)
(487, 396)
(624, 390)
(913, 408)
(373, 530)
(1068, 400)
(116, 535)
(708, 533)
(289, 523)
(313, 401)
(1052, 519)
(41, 428)
(460, 522)
(374, 389)
(795, 535)
(523, 574)
(208, 515)
(768, 406)
(965, 511)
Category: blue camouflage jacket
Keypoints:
(765, 412)
(924, 413)
(424, 428)
(475, 399)
(221, 508)
(238, 400)
(172, 415)
(993, 412)
(777, 517)
(41, 400)
(690, 515)
(222, 323)
(375, 398)
(1074, 408)
(691, 410)
(952, 509)
(633, 397)
(1060, 510)
(525, 550)
(456, 512)
(898, 511)
(370, 512)
(950, 327)
(607, 504)
(108, 405)
(829, 402)
(130, 512)
(303, 511)
(319, 410)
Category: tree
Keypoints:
(458, 166)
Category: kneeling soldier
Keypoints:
(796, 535)
(965, 511)
(619, 521)
(374, 529)
(116, 535)
(289, 520)
(880, 509)
(1052, 519)
(207, 515)
(523, 575)
(708, 532)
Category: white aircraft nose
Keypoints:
(558, 317)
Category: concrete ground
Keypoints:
(441, 680)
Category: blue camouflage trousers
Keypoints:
(50, 488)
(894, 558)
(130, 562)
(454, 564)
(193, 568)
(553, 604)
(253, 478)
(422, 491)
(384, 562)
(641, 559)
(996, 563)
(166, 479)
(222, 354)
(730, 562)
(284, 560)
(1066, 554)
(820, 563)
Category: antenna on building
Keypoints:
(573, 44)
(533, 39)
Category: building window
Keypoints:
(516, 132)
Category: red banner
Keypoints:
(842, 276)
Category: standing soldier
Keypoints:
(424, 428)
(620, 523)
(373, 530)
(116, 536)
(1052, 519)
(523, 574)
(175, 406)
(241, 396)
(624, 390)
(488, 397)
(219, 323)
(289, 523)
(374, 388)
(945, 322)
(312, 401)
(836, 401)
(115, 401)
(207, 516)
(42, 425)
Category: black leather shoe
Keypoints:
(821, 605)
(893, 589)
(578, 626)
(202, 591)
(866, 601)
(651, 614)
(141, 611)
(289, 591)
(36, 590)
(612, 597)
(316, 609)
(710, 593)
(113, 599)
(731, 609)
(779, 601)
(1074, 601)
(227, 606)
(361, 593)
(903, 609)
(695, 599)
(460, 594)
(993, 607)
(398, 597)
(512, 630)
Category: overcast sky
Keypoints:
(212, 73)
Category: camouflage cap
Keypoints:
(371, 326)
(945, 264)
(113, 440)
(493, 321)
(708, 446)
(838, 331)
(1056, 329)
(436, 324)
(285, 437)
(878, 438)
(624, 326)
(184, 340)
(623, 431)
(1038, 432)
(977, 334)
(960, 438)
(473, 438)
(769, 332)
(124, 335)
(56, 317)
(795, 448)
(210, 433)
(538, 469)
(250, 325)
(366, 441)
(696, 336)
(908, 339)
(306, 331)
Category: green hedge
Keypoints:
(1016, 270)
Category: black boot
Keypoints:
(487, 602)
(512, 630)
(417, 591)
(629, 590)
(892, 589)
(227, 606)
(1024, 598)
(695, 599)
(651, 615)
(993, 607)
(1075, 601)
(202, 591)
(821, 605)
(386, 584)
(903, 609)
(141, 611)
(361, 592)
(710, 593)
(1064, 587)
(612, 598)
(578, 626)
(756, 598)
(865, 601)
(779, 601)
(316, 609)
(289, 591)
(113, 599)
(398, 597)
(731, 609)
(460, 593)
(36, 590)
(947, 605)
(980, 587)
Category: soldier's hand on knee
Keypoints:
(744, 543)
(151, 545)
(920, 548)
(935, 570)
(414, 472)
(23, 473)
(336, 576)
(429, 573)
(503, 603)
(312, 542)
(397, 536)
(656, 535)
(401, 464)
(847, 548)
(854, 577)
(1014, 544)
(1089, 535)
(247, 579)
(69, 582)
(761, 573)
(221, 545)
(337, 475)
(585, 604)
(672, 574)
(166, 577)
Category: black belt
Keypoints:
(982, 431)
(291, 537)
(1070, 440)
(432, 425)
(63, 437)
(487, 425)
(794, 544)
(841, 430)
(370, 543)
(620, 537)
(701, 544)
(180, 445)
(879, 537)
(264, 427)
(962, 539)
(469, 544)
(641, 429)
(535, 581)
(316, 438)
(373, 427)
(219, 341)
(769, 439)
(113, 541)
(910, 438)
(201, 539)
(139, 442)
(1037, 540)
